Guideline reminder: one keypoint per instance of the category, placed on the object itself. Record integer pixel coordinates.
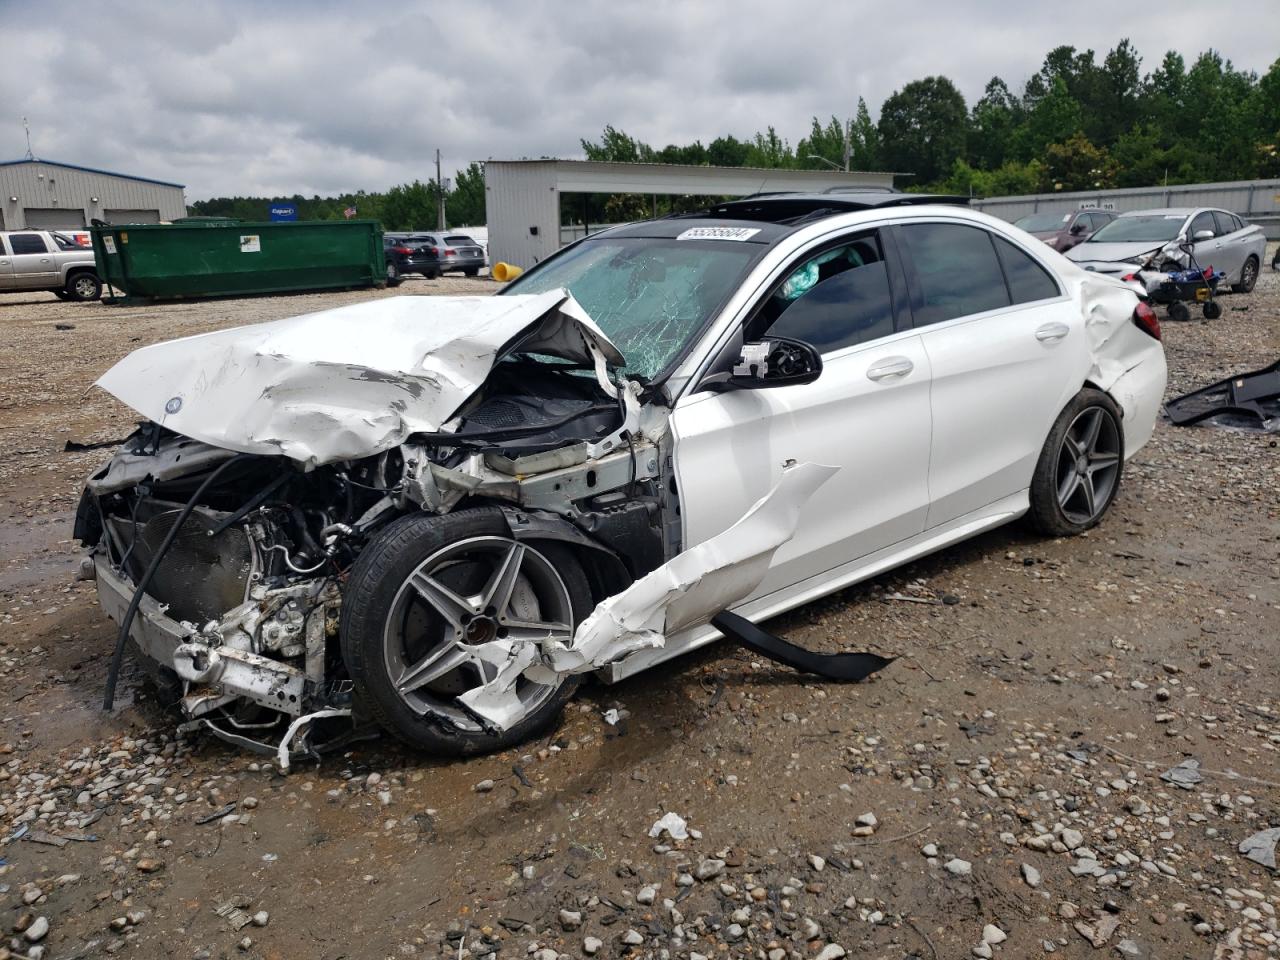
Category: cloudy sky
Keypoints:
(240, 97)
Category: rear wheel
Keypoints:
(472, 271)
(83, 286)
(1078, 473)
(1248, 276)
(1179, 311)
(1212, 309)
(434, 605)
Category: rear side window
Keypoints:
(1028, 281)
(835, 299)
(27, 243)
(1226, 223)
(957, 271)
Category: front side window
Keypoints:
(650, 295)
(957, 271)
(834, 299)
(1203, 221)
(27, 243)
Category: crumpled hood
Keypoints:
(350, 382)
(1109, 252)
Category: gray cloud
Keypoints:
(236, 97)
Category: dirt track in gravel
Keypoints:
(1020, 710)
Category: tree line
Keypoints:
(1078, 123)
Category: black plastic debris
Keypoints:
(830, 666)
(1250, 400)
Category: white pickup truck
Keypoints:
(42, 260)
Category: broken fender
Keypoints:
(690, 589)
(350, 382)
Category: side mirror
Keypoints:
(1077, 229)
(775, 362)
(1203, 235)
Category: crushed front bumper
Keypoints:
(214, 674)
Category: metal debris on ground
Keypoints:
(1185, 775)
(1261, 847)
(233, 911)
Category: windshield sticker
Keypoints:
(719, 233)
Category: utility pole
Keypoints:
(439, 194)
(848, 146)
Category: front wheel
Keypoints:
(1248, 276)
(435, 604)
(1078, 473)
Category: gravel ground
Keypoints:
(996, 792)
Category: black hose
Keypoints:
(829, 666)
(117, 655)
(254, 501)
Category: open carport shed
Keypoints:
(522, 197)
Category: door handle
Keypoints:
(1052, 332)
(889, 368)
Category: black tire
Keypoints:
(1212, 309)
(393, 274)
(1248, 276)
(370, 600)
(472, 271)
(1052, 475)
(1179, 311)
(83, 286)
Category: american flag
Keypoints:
(349, 212)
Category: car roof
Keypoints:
(1166, 212)
(772, 216)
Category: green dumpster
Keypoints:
(225, 258)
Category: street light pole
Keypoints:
(439, 194)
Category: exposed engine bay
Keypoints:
(250, 538)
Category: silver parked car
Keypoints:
(1155, 240)
(43, 260)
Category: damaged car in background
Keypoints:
(438, 514)
(1146, 246)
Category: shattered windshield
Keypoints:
(1148, 229)
(649, 295)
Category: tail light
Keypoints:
(450, 253)
(434, 251)
(1129, 277)
(405, 250)
(1146, 320)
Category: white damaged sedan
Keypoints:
(437, 514)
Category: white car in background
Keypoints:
(1158, 242)
(437, 513)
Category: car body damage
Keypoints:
(687, 591)
(242, 614)
(349, 382)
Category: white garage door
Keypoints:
(131, 216)
(51, 218)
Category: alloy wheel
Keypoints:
(1088, 465)
(84, 287)
(457, 616)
